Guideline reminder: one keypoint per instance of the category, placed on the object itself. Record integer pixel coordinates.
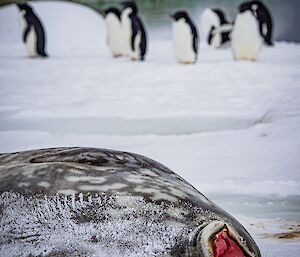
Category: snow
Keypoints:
(229, 128)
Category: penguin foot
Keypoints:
(187, 62)
(117, 55)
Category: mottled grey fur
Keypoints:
(95, 202)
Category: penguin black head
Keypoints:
(130, 4)
(113, 10)
(221, 14)
(252, 6)
(25, 7)
(180, 15)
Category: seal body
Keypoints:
(115, 34)
(264, 17)
(95, 202)
(33, 33)
(246, 39)
(185, 38)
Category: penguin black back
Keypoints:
(33, 21)
(113, 10)
(264, 17)
(221, 15)
(130, 4)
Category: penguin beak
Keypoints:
(171, 16)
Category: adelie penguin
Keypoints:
(112, 18)
(33, 33)
(135, 38)
(246, 38)
(216, 27)
(185, 37)
(263, 16)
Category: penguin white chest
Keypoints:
(209, 18)
(183, 42)
(23, 22)
(246, 39)
(115, 34)
(135, 53)
(216, 41)
(127, 31)
(31, 39)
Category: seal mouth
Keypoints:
(219, 239)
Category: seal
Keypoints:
(96, 202)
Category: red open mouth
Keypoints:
(226, 247)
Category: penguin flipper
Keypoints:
(269, 34)
(25, 33)
(195, 37)
(134, 33)
(195, 44)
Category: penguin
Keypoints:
(264, 17)
(185, 37)
(220, 37)
(33, 33)
(112, 18)
(214, 17)
(135, 38)
(246, 38)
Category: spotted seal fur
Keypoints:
(96, 202)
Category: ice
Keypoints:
(229, 128)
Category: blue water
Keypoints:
(286, 208)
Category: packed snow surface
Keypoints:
(229, 128)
